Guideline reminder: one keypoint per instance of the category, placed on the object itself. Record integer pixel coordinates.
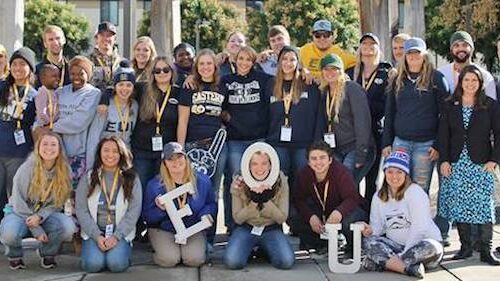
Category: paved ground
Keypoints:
(306, 268)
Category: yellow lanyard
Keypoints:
(51, 108)
(109, 198)
(325, 196)
(113, 66)
(63, 67)
(139, 77)
(44, 197)
(19, 109)
(329, 108)
(287, 103)
(123, 119)
(159, 111)
(368, 84)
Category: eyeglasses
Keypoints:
(160, 70)
(318, 35)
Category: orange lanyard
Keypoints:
(325, 197)
(159, 111)
(109, 197)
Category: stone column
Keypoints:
(12, 27)
(166, 24)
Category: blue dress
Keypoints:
(467, 195)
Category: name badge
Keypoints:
(329, 138)
(286, 134)
(109, 230)
(157, 143)
(257, 230)
(19, 137)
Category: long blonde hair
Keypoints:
(297, 83)
(338, 92)
(151, 45)
(168, 181)
(61, 181)
(357, 66)
(5, 71)
(149, 99)
(424, 81)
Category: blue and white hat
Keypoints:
(398, 159)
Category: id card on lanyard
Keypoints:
(109, 202)
(329, 136)
(286, 129)
(156, 140)
(19, 137)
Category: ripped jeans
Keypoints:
(379, 249)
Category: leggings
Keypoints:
(380, 249)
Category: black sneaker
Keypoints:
(48, 262)
(16, 264)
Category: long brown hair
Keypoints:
(214, 85)
(168, 181)
(149, 99)
(297, 82)
(384, 193)
(480, 97)
(424, 81)
(61, 181)
(125, 166)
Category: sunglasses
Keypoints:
(160, 70)
(318, 35)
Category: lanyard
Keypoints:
(109, 198)
(113, 66)
(159, 111)
(325, 196)
(139, 77)
(44, 197)
(287, 103)
(368, 84)
(123, 116)
(63, 68)
(329, 108)
(19, 109)
(51, 108)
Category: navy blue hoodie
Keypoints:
(303, 116)
(8, 122)
(247, 102)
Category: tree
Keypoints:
(481, 18)
(40, 13)
(219, 19)
(299, 16)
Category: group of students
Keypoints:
(105, 139)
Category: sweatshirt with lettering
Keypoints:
(76, 112)
(247, 102)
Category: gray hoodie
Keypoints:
(76, 111)
(104, 126)
(21, 203)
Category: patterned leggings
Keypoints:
(380, 249)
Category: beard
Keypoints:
(459, 59)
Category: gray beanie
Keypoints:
(461, 36)
(26, 54)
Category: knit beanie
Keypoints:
(461, 36)
(287, 49)
(398, 159)
(124, 73)
(26, 54)
(84, 63)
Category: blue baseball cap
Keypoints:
(415, 44)
(322, 25)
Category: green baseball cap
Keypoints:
(332, 60)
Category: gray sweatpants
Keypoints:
(380, 249)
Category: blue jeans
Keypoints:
(58, 228)
(272, 241)
(146, 168)
(349, 160)
(291, 161)
(235, 150)
(95, 260)
(420, 166)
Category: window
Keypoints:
(109, 11)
